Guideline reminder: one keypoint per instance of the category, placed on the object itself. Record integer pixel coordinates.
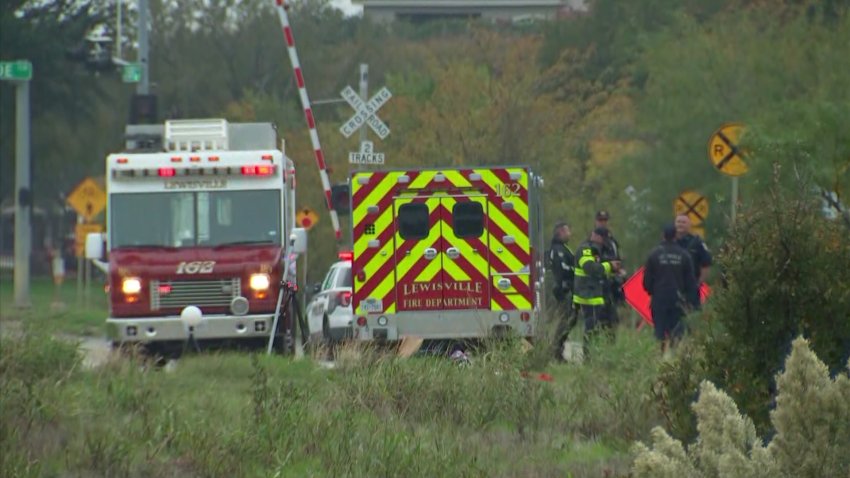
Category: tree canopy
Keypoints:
(613, 107)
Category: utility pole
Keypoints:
(118, 29)
(143, 87)
(20, 72)
(23, 198)
(364, 94)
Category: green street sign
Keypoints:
(20, 70)
(132, 73)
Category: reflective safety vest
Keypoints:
(591, 274)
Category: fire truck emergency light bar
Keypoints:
(258, 170)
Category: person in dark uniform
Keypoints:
(611, 252)
(562, 264)
(591, 273)
(670, 281)
(611, 247)
(700, 256)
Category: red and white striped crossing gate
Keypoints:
(308, 112)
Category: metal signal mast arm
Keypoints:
(308, 111)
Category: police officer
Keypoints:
(670, 281)
(562, 264)
(591, 273)
(700, 256)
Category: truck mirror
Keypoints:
(298, 240)
(94, 245)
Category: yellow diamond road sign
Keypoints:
(306, 218)
(88, 199)
(692, 204)
(724, 150)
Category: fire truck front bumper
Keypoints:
(210, 327)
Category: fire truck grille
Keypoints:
(182, 293)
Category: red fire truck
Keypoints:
(446, 254)
(197, 213)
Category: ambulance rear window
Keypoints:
(468, 219)
(413, 221)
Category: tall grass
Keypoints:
(254, 415)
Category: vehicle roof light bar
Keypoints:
(196, 135)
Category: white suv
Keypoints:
(329, 313)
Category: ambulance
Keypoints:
(446, 253)
(196, 215)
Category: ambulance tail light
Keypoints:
(258, 170)
(361, 321)
(525, 316)
(166, 172)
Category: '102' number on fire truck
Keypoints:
(507, 190)
(195, 267)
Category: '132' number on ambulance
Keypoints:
(507, 190)
(195, 267)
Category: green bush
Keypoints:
(811, 419)
(786, 274)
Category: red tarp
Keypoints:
(639, 299)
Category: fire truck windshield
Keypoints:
(191, 219)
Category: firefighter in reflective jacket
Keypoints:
(562, 264)
(590, 275)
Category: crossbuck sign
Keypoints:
(366, 155)
(364, 113)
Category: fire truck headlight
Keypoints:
(259, 281)
(131, 285)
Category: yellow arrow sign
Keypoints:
(88, 199)
(724, 150)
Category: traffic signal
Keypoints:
(341, 198)
(143, 109)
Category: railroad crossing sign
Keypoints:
(365, 113)
(366, 155)
(698, 231)
(306, 218)
(724, 152)
(88, 199)
(692, 204)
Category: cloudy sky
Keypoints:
(347, 7)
